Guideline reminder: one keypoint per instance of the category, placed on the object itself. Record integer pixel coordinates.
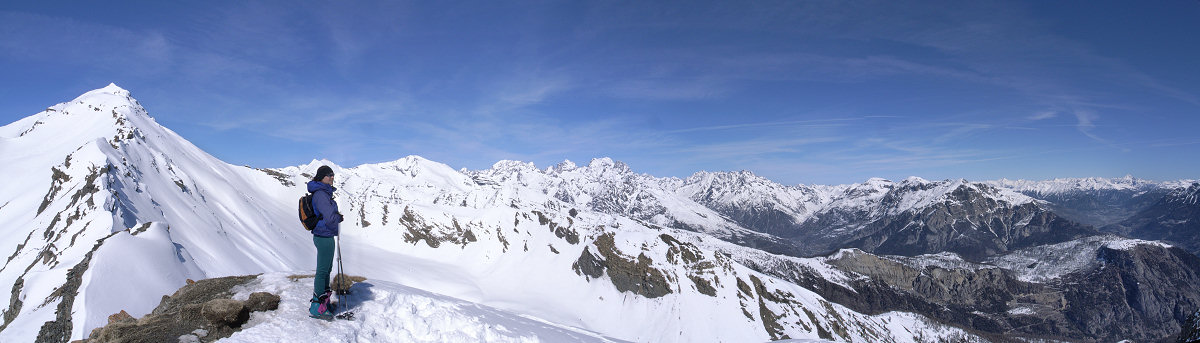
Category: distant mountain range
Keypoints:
(1174, 218)
(110, 211)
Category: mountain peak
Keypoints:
(108, 113)
(565, 165)
(311, 167)
(601, 162)
(509, 165)
(605, 164)
(109, 96)
(111, 88)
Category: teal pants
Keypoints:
(325, 247)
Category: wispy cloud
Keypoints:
(523, 89)
(1086, 123)
(834, 122)
(901, 162)
(668, 89)
(751, 147)
(1043, 115)
(73, 42)
(961, 129)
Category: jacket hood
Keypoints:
(314, 186)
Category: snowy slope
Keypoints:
(610, 187)
(112, 211)
(1049, 262)
(389, 312)
(103, 190)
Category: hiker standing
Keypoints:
(322, 189)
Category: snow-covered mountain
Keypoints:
(100, 197)
(1125, 206)
(1098, 202)
(1070, 185)
(910, 217)
(111, 211)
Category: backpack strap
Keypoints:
(312, 199)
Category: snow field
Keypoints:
(388, 312)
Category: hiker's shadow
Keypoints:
(358, 293)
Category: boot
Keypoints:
(320, 307)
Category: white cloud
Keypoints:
(1086, 122)
(753, 147)
(1043, 115)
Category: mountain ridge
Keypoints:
(125, 181)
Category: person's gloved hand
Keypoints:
(341, 218)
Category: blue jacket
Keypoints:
(326, 209)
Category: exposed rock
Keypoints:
(769, 319)
(202, 310)
(970, 225)
(227, 312)
(200, 292)
(985, 289)
(281, 177)
(627, 274)
(699, 268)
(1143, 293)
(59, 330)
(433, 233)
(120, 317)
(262, 301)
(588, 264)
(1191, 329)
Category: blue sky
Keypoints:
(823, 92)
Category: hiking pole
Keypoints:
(342, 289)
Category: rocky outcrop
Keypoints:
(1191, 329)
(1142, 292)
(987, 289)
(973, 227)
(433, 233)
(202, 311)
(628, 274)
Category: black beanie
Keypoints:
(322, 172)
